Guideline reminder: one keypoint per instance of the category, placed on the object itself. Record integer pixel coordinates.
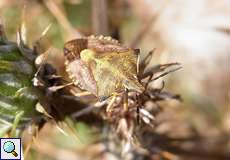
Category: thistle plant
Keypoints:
(104, 82)
(18, 96)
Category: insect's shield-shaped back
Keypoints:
(102, 66)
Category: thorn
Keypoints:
(46, 30)
(148, 58)
(165, 73)
(81, 94)
(56, 88)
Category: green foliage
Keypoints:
(17, 95)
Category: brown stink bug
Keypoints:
(102, 66)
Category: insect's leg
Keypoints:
(110, 105)
(56, 88)
(125, 100)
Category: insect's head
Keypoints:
(73, 48)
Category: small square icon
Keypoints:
(10, 148)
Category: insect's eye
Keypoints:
(66, 51)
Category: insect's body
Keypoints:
(102, 66)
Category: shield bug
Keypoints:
(102, 66)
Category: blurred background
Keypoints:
(195, 33)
